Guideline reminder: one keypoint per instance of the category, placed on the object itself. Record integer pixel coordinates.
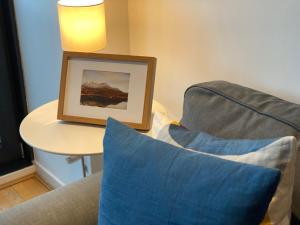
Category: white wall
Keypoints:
(41, 55)
(250, 42)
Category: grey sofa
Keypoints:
(74, 204)
(220, 108)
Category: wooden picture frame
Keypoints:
(120, 86)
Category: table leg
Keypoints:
(83, 166)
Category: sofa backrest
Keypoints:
(229, 110)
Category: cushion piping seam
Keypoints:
(247, 106)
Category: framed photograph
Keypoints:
(96, 86)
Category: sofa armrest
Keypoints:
(74, 204)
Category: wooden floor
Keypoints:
(21, 191)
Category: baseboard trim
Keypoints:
(17, 176)
(48, 177)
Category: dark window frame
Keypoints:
(15, 64)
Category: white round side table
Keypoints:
(41, 130)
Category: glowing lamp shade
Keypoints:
(82, 25)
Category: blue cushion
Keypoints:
(149, 182)
(201, 141)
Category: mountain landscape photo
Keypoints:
(102, 95)
(104, 89)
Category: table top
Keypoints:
(41, 129)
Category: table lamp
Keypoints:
(82, 25)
